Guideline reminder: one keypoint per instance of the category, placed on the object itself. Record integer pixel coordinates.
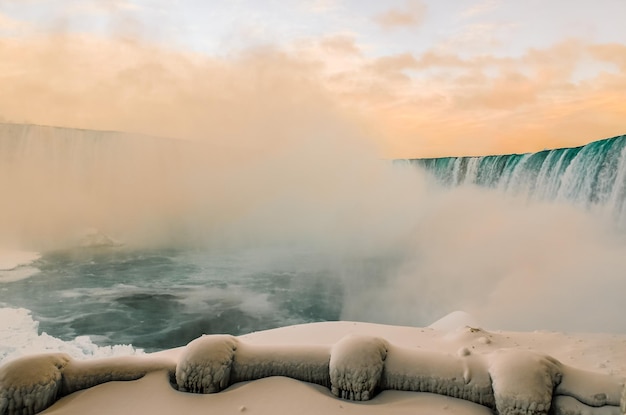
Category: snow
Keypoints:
(465, 377)
(356, 366)
(305, 363)
(523, 381)
(305, 368)
(455, 320)
(30, 384)
(206, 364)
(19, 336)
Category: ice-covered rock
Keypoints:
(83, 374)
(463, 375)
(212, 363)
(566, 405)
(523, 381)
(510, 381)
(356, 367)
(305, 363)
(31, 384)
(589, 388)
(206, 364)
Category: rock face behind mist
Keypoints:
(357, 367)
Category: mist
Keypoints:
(251, 150)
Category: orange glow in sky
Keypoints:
(419, 78)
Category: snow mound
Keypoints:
(305, 363)
(462, 375)
(523, 381)
(356, 367)
(454, 321)
(206, 364)
(30, 384)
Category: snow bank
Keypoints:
(355, 367)
(206, 364)
(463, 376)
(19, 336)
(30, 384)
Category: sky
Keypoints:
(418, 78)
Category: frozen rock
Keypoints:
(205, 366)
(356, 366)
(523, 381)
(510, 381)
(31, 384)
(590, 388)
(461, 375)
(305, 363)
(566, 405)
(79, 375)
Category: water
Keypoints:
(153, 242)
(161, 299)
(592, 176)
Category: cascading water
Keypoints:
(593, 176)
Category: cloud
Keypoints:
(412, 14)
(614, 53)
(103, 7)
(9, 25)
(480, 8)
(341, 44)
(439, 103)
(322, 6)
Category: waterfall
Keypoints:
(592, 176)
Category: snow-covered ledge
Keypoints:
(356, 367)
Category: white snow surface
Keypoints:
(19, 336)
(454, 321)
(511, 373)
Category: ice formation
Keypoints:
(212, 363)
(509, 381)
(356, 367)
(463, 376)
(30, 384)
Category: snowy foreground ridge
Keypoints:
(356, 367)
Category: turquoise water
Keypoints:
(161, 299)
(590, 176)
